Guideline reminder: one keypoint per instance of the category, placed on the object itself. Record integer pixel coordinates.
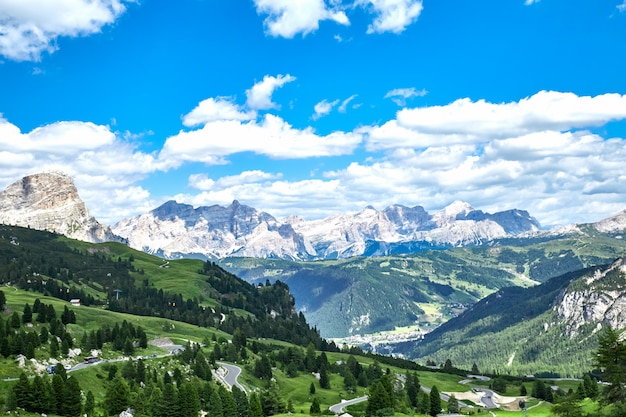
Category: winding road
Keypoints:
(338, 408)
(231, 375)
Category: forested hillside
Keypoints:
(424, 289)
(523, 330)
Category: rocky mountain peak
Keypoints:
(453, 211)
(613, 224)
(50, 201)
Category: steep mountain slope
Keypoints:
(115, 277)
(50, 201)
(367, 295)
(551, 327)
(179, 230)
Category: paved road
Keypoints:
(487, 399)
(231, 375)
(338, 408)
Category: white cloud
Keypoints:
(323, 108)
(392, 15)
(400, 95)
(344, 104)
(272, 136)
(287, 18)
(204, 183)
(529, 2)
(546, 110)
(621, 7)
(259, 97)
(103, 165)
(220, 108)
(29, 28)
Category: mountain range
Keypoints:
(176, 230)
(395, 280)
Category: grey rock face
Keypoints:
(50, 201)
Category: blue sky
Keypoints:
(314, 107)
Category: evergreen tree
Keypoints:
(90, 404)
(214, 405)
(312, 388)
(423, 403)
(435, 401)
(324, 381)
(15, 320)
(412, 388)
(58, 391)
(241, 401)
(229, 407)
(567, 406)
(117, 396)
(611, 358)
(255, 406)
(39, 392)
(453, 405)
(539, 389)
(72, 400)
(170, 407)
(315, 407)
(591, 386)
(378, 399)
(188, 401)
(475, 369)
(22, 392)
(349, 381)
(27, 314)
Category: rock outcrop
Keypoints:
(49, 201)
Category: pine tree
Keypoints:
(229, 407)
(117, 396)
(90, 404)
(188, 401)
(453, 405)
(435, 401)
(611, 358)
(22, 392)
(214, 405)
(170, 405)
(324, 381)
(255, 406)
(315, 407)
(241, 401)
(27, 315)
(72, 405)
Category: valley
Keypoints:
(308, 335)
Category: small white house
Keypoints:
(75, 302)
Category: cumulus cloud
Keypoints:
(323, 108)
(102, 164)
(287, 18)
(220, 108)
(259, 97)
(392, 15)
(203, 182)
(271, 136)
(546, 110)
(401, 95)
(29, 28)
